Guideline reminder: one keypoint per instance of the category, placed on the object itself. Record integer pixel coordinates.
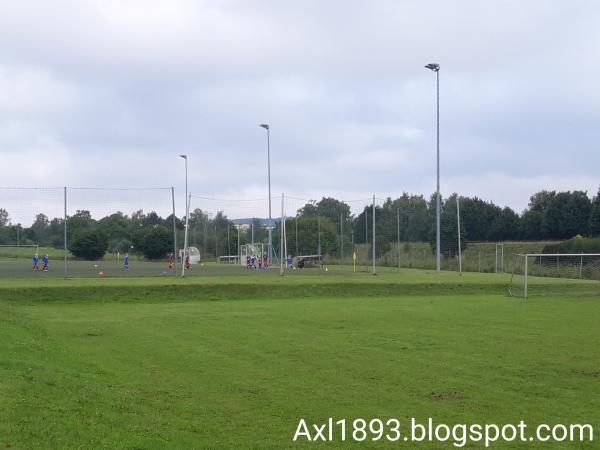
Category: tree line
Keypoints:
(327, 226)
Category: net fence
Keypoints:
(87, 232)
(571, 273)
(133, 232)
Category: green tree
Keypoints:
(449, 230)
(4, 217)
(540, 201)
(157, 242)
(594, 225)
(566, 215)
(89, 244)
(81, 220)
(531, 225)
(40, 229)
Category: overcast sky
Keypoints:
(109, 93)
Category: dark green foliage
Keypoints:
(89, 244)
(4, 217)
(575, 245)
(531, 225)
(594, 225)
(566, 215)
(449, 230)
(157, 242)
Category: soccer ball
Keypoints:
(101, 274)
(95, 265)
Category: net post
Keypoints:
(398, 232)
(459, 246)
(526, 273)
(65, 227)
(342, 238)
(319, 236)
(174, 231)
(281, 239)
(373, 235)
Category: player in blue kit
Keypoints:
(45, 263)
(36, 262)
(126, 261)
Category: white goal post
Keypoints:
(574, 266)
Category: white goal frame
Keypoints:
(19, 246)
(526, 257)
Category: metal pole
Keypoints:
(281, 250)
(438, 199)
(297, 251)
(367, 225)
(525, 290)
(228, 242)
(285, 249)
(65, 231)
(238, 246)
(319, 235)
(459, 245)
(342, 237)
(204, 234)
(187, 217)
(373, 235)
(174, 231)
(496, 266)
(216, 244)
(503, 257)
(267, 127)
(18, 243)
(398, 223)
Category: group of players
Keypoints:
(36, 263)
(256, 262)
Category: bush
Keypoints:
(156, 243)
(89, 244)
(575, 245)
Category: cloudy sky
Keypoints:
(109, 93)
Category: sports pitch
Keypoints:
(234, 362)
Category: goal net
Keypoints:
(554, 273)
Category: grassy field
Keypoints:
(219, 361)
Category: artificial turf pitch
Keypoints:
(225, 362)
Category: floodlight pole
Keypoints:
(436, 68)
(187, 218)
(267, 127)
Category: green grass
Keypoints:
(216, 361)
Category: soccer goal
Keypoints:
(9, 253)
(574, 266)
(251, 250)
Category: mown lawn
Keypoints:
(236, 365)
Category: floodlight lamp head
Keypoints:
(433, 66)
(265, 126)
(183, 156)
